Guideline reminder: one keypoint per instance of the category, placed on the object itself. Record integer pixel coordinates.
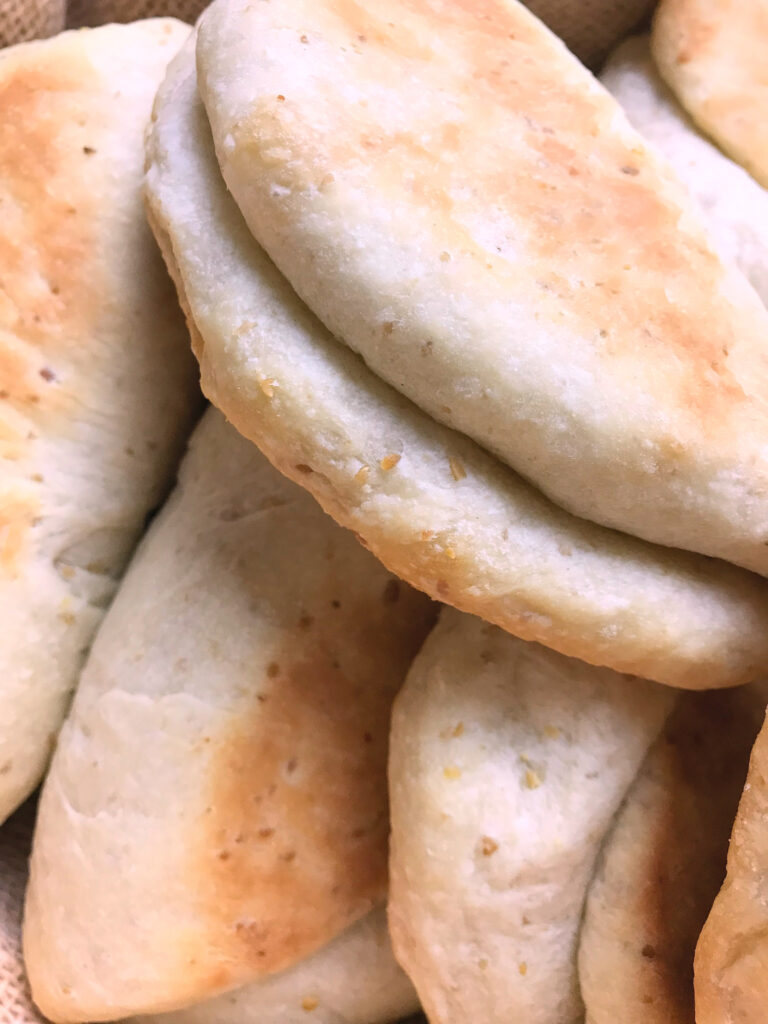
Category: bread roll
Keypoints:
(457, 199)
(97, 384)
(663, 862)
(713, 53)
(216, 810)
(731, 965)
(434, 507)
(507, 765)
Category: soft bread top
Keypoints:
(352, 980)
(433, 506)
(714, 53)
(663, 863)
(457, 198)
(225, 755)
(507, 764)
(97, 384)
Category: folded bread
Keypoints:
(457, 199)
(97, 384)
(734, 204)
(433, 506)
(664, 860)
(352, 980)
(507, 764)
(713, 53)
(216, 809)
(731, 965)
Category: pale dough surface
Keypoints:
(216, 809)
(97, 385)
(459, 200)
(434, 507)
(507, 765)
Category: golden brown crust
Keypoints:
(731, 966)
(713, 54)
(277, 797)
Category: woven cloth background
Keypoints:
(590, 27)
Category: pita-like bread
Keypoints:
(663, 863)
(507, 764)
(457, 198)
(713, 54)
(735, 206)
(434, 507)
(352, 980)
(97, 385)
(216, 809)
(731, 965)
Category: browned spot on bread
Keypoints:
(531, 153)
(49, 280)
(298, 790)
(17, 514)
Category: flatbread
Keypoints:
(216, 809)
(507, 764)
(353, 980)
(714, 54)
(731, 966)
(662, 864)
(457, 199)
(97, 385)
(435, 508)
(734, 204)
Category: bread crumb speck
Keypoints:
(532, 780)
(452, 772)
(457, 468)
(390, 461)
(309, 1003)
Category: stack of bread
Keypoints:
(426, 678)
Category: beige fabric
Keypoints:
(446, 516)
(99, 12)
(591, 28)
(97, 385)
(713, 53)
(21, 20)
(225, 753)
(465, 206)
(735, 205)
(507, 764)
(663, 863)
(15, 836)
(731, 965)
(353, 980)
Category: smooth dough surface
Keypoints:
(507, 764)
(97, 384)
(731, 965)
(663, 862)
(216, 809)
(352, 980)
(735, 205)
(714, 55)
(434, 507)
(460, 201)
